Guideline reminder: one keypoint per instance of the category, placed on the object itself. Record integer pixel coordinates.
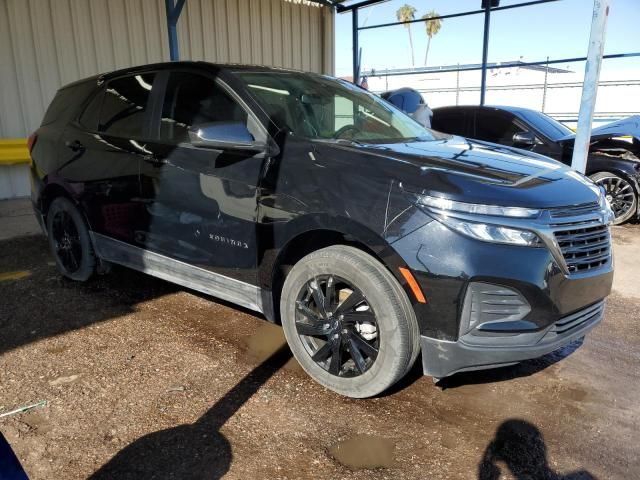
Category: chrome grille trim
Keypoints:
(575, 210)
(575, 320)
(584, 248)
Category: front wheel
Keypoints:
(348, 321)
(620, 193)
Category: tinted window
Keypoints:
(548, 126)
(91, 115)
(314, 106)
(496, 127)
(66, 101)
(450, 122)
(125, 105)
(191, 100)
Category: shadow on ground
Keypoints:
(519, 446)
(43, 304)
(196, 450)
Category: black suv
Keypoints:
(325, 208)
(613, 162)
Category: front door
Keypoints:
(201, 202)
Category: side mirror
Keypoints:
(227, 135)
(525, 139)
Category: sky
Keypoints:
(557, 30)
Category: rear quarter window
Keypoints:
(66, 102)
(91, 114)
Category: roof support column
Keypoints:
(173, 8)
(485, 49)
(356, 46)
(590, 84)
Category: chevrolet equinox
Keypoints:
(303, 197)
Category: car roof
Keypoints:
(506, 108)
(232, 67)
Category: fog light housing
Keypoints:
(494, 309)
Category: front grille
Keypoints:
(575, 210)
(576, 320)
(584, 249)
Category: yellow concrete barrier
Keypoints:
(14, 151)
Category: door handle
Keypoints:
(74, 146)
(156, 161)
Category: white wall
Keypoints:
(45, 44)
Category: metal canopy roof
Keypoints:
(345, 5)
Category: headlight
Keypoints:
(479, 230)
(476, 208)
(492, 233)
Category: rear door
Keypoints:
(201, 203)
(101, 151)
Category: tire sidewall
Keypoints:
(394, 351)
(87, 262)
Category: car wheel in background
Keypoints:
(69, 240)
(348, 321)
(620, 193)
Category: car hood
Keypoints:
(629, 126)
(480, 172)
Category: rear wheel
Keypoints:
(620, 193)
(348, 321)
(69, 240)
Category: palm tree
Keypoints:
(432, 27)
(405, 14)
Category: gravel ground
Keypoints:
(144, 379)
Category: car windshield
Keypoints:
(549, 127)
(319, 107)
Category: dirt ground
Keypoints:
(144, 379)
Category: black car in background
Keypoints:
(370, 238)
(613, 162)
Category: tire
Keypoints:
(69, 241)
(624, 196)
(390, 353)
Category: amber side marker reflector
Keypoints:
(415, 288)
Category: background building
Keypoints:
(554, 89)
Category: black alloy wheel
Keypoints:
(348, 322)
(337, 326)
(69, 240)
(66, 239)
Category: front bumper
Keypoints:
(441, 358)
(532, 285)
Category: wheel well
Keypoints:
(301, 246)
(49, 194)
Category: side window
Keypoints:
(125, 105)
(67, 101)
(453, 122)
(495, 127)
(193, 100)
(91, 115)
